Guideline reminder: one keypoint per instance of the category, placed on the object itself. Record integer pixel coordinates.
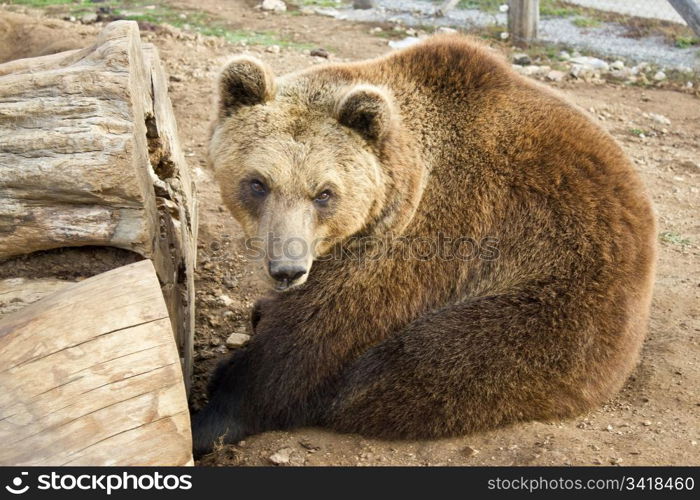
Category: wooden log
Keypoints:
(175, 253)
(689, 10)
(523, 21)
(90, 375)
(89, 155)
(73, 151)
(17, 293)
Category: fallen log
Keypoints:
(90, 375)
(89, 156)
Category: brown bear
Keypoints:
(352, 165)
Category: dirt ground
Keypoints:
(655, 420)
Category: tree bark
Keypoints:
(89, 155)
(689, 10)
(523, 21)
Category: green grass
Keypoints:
(316, 3)
(684, 42)
(45, 3)
(638, 132)
(490, 6)
(674, 239)
(162, 13)
(204, 24)
(585, 22)
(558, 8)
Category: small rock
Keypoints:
(236, 340)
(591, 62)
(375, 30)
(175, 78)
(621, 74)
(286, 456)
(555, 76)
(522, 59)
(320, 52)
(273, 6)
(609, 428)
(659, 76)
(469, 451)
(646, 423)
(282, 456)
(617, 65)
(581, 71)
(446, 31)
(402, 44)
(273, 49)
(660, 119)
(89, 18)
(640, 68)
(225, 300)
(564, 55)
(532, 70)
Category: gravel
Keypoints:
(606, 39)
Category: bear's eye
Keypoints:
(323, 197)
(258, 188)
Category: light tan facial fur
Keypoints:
(299, 177)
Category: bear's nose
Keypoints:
(286, 272)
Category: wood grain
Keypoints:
(90, 375)
(89, 155)
(523, 21)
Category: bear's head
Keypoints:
(309, 161)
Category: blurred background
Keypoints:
(637, 30)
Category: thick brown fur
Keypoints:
(424, 348)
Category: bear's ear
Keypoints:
(366, 109)
(245, 81)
